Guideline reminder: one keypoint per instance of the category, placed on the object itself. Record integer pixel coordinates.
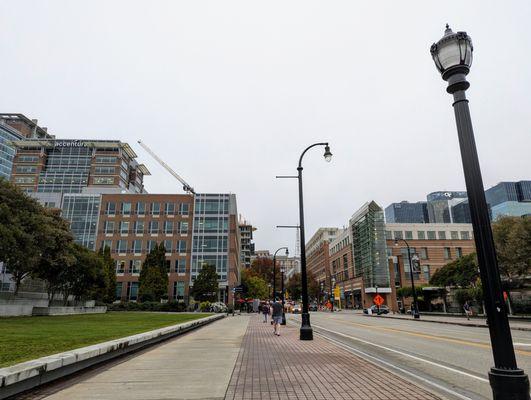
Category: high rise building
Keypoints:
(343, 271)
(247, 245)
(318, 255)
(406, 212)
(15, 127)
(440, 206)
(509, 198)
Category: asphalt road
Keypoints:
(451, 360)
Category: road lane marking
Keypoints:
(380, 362)
(435, 337)
(404, 354)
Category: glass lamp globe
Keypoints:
(327, 154)
(453, 53)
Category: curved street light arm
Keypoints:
(308, 148)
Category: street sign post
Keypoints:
(378, 300)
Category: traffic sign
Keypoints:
(378, 300)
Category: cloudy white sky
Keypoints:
(230, 92)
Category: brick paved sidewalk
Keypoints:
(271, 367)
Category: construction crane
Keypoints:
(186, 187)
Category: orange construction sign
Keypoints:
(378, 300)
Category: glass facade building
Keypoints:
(509, 198)
(7, 151)
(440, 206)
(82, 211)
(406, 212)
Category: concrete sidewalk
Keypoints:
(271, 367)
(195, 366)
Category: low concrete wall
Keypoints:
(30, 374)
(12, 307)
(68, 310)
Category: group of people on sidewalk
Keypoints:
(273, 309)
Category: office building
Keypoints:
(247, 245)
(406, 212)
(440, 205)
(318, 255)
(343, 273)
(461, 213)
(435, 245)
(509, 199)
(15, 127)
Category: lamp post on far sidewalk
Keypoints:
(453, 57)
(282, 271)
(415, 307)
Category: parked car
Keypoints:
(313, 307)
(296, 309)
(374, 310)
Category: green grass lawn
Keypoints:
(27, 338)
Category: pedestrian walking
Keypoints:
(468, 310)
(277, 316)
(265, 311)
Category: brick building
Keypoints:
(318, 254)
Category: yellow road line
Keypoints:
(431, 337)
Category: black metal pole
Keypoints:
(508, 382)
(377, 305)
(283, 295)
(332, 297)
(415, 308)
(274, 275)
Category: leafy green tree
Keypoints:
(206, 284)
(512, 238)
(22, 231)
(462, 272)
(108, 293)
(313, 286)
(293, 286)
(56, 251)
(153, 280)
(255, 286)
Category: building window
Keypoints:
(458, 252)
(133, 294)
(135, 266)
(169, 208)
(26, 169)
(454, 235)
(28, 159)
(106, 243)
(111, 208)
(398, 234)
(181, 246)
(442, 235)
(104, 170)
(168, 266)
(183, 228)
(465, 235)
(126, 208)
(151, 244)
(141, 208)
(103, 180)
(421, 235)
(153, 227)
(423, 253)
(168, 246)
(24, 179)
(120, 266)
(426, 272)
(124, 227)
(118, 291)
(137, 246)
(178, 290)
(447, 253)
(180, 265)
(105, 160)
(388, 234)
(139, 227)
(168, 227)
(184, 208)
(431, 235)
(109, 227)
(409, 234)
(121, 246)
(155, 209)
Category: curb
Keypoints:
(474, 325)
(30, 374)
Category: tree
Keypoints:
(22, 231)
(153, 280)
(294, 286)
(255, 286)
(108, 293)
(462, 272)
(206, 284)
(512, 238)
(313, 286)
(56, 251)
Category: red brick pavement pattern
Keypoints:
(275, 368)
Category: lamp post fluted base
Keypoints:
(283, 318)
(509, 384)
(306, 332)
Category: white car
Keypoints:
(296, 309)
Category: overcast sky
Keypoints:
(229, 93)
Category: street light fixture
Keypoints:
(306, 332)
(415, 305)
(283, 271)
(453, 57)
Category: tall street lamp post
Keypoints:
(453, 57)
(306, 332)
(415, 306)
(332, 296)
(282, 271)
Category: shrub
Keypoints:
(205, 306)
(147, 306)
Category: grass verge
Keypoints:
(27, 338)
